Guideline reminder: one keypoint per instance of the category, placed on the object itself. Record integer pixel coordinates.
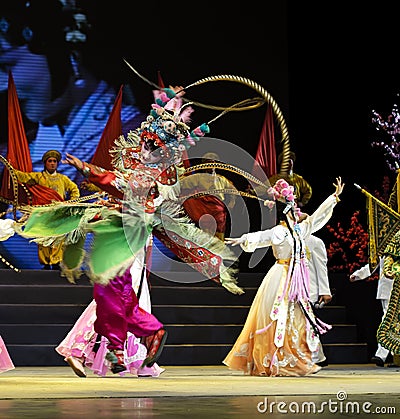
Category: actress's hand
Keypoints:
(235, 241)
(339, 185)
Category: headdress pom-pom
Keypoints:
(153, 113)
(170, 93)
(205, 129)
(200, 131)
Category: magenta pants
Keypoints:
(118, 312)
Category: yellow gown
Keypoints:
(279, 336)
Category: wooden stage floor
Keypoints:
(197, 392)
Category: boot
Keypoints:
(154, 344)
(116, 357)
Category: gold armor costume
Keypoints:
(388, 334)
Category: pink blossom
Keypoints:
(281, 183)
(269, 204)
(285, 192)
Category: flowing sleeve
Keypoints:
(106, 181)
(256, 240)
(6, 228)
(320, 217)
(320, 261)
(362, 273)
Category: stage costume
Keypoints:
(117, 236)
(388, 334)
(281, 333)
(148, 189)
(90, 349)
(6, 363)
(56, 181)
(150, 197)
(383, 293)
(63, 188)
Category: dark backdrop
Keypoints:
(341, 61)
(326, 67)
(341, 67)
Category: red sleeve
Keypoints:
(106, 181)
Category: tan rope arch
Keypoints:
(268, 99)
(245, 105)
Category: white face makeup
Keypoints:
(148, 156)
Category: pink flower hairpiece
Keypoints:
(269, 204)
(282, 191)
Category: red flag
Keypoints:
(112, 131)
(160, 80)
(17, 150)
(265, 161)
(19, 156)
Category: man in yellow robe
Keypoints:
(51, 256)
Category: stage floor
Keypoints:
(199, 392)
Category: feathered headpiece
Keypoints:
(167, 130)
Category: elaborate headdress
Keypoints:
(167, 131)
(283, 192)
